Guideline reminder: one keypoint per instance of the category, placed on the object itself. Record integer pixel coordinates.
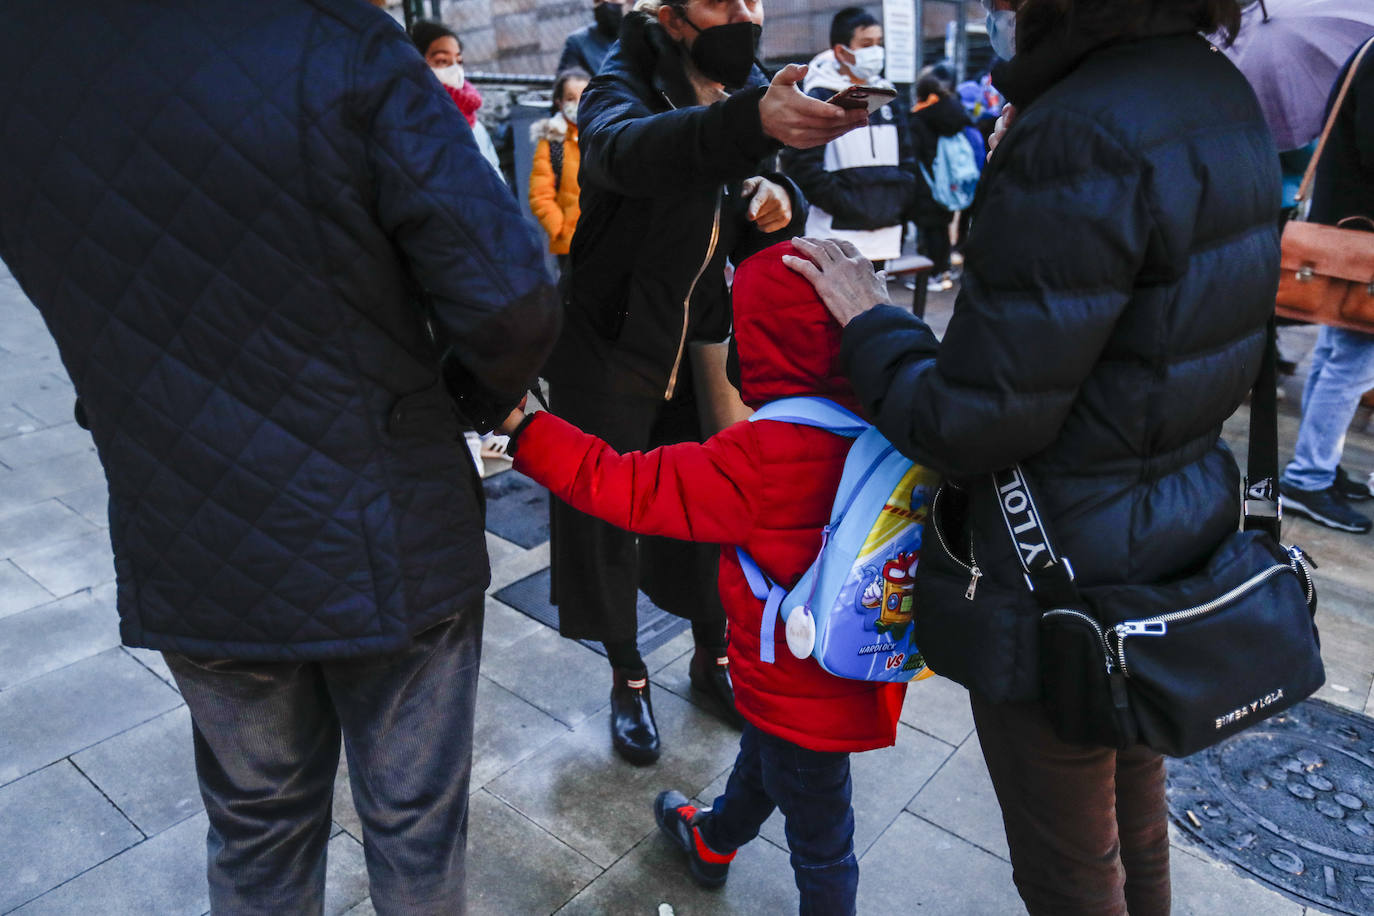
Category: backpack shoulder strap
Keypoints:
(821, 413)
(771, 594)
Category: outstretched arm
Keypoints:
(692, 491)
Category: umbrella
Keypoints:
(1292, 51)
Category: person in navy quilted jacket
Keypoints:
(283, 281)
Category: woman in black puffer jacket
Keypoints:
(1118, 278)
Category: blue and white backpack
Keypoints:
(852, 610)
(953, 176)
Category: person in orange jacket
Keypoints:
(553, 177)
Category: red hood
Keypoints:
(788, 343)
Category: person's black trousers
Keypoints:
(597, 568)
(267, 747)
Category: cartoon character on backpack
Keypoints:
(891, 594)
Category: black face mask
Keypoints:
(608, 17)
(725, 53)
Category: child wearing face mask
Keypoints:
(862, 185)
(553, 177)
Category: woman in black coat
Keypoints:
(673, 182)
(1118, 279)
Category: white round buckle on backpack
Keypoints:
(801, 632)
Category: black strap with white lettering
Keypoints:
(1050, 576)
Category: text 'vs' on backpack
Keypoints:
(852, 609)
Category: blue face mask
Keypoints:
(1002, 33)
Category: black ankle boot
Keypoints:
(634, 734)
(710, 674)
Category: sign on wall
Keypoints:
(899, 37)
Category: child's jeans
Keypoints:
(812, 788)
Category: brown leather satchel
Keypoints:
(1327, 272)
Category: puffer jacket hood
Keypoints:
(787, 341)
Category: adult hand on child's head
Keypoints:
(795, 119)
(844, 279)
(770, 206)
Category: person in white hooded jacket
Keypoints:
(863, 185)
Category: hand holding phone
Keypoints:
(870, 97)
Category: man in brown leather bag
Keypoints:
(1314, 484)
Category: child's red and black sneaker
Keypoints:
(681, 820)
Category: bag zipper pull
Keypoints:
(1302, 556)
(973, 583)
(1141, 628)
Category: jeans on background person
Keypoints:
(813, 791)
(267, 738)
(1342, 370)
(1088, 827)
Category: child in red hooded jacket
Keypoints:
(767, 486)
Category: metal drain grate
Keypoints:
(1291, 802)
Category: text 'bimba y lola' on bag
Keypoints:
(1178, 665)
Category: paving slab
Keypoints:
(45, 444)
(515, 866)
(50, 717)
(560, 676)
(345, 813)
(86, 621)
(18, 592)
(154, 662)
(960, 799)
(149, 771)
(508, 730)
(345, 875)
(579, 790)
(14, 422)
(37, 482)
(655, 873)
(916, 867)
(164, 875)
(49, 397)
(1204, 887)
(71, 565)
(57, 825)
(939, 707)
(1346, 648)
(503, 626)
(91, 502)
(39, 525)
(885, 780)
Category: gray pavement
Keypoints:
(99, 811)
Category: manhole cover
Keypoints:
(1290, 801)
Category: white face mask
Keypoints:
(451, 76)
(570, 112)
(1002, 33)
(868, 62)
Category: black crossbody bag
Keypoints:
(1180, 665)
